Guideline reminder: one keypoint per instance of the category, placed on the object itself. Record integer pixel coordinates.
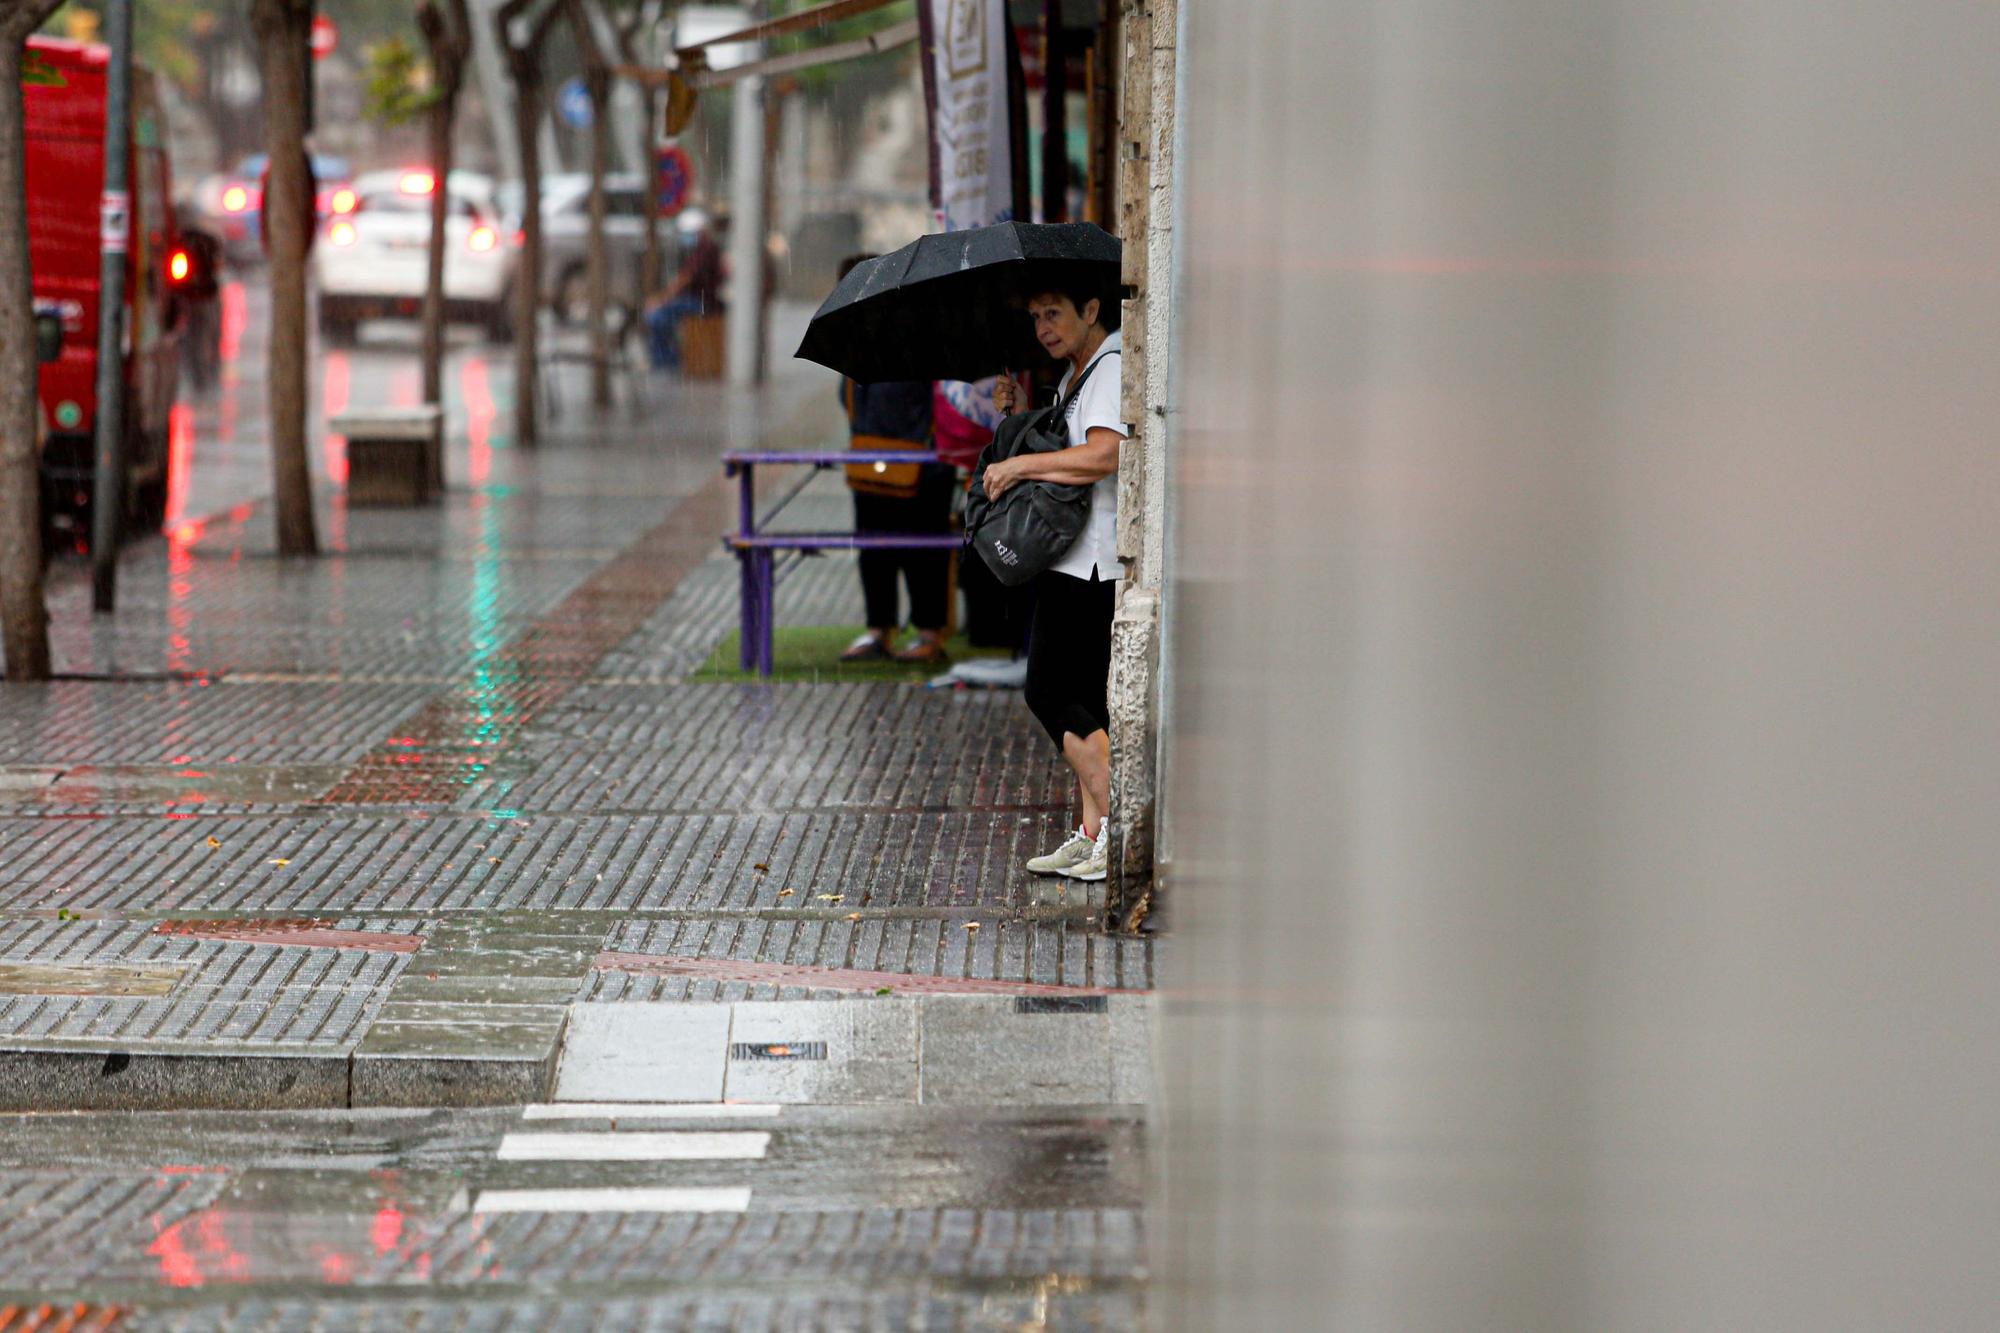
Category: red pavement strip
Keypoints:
(829, 978)
(78, 1318)
(299, 932)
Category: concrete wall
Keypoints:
(1587, 737)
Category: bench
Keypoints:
(395, 455)
(756, 547)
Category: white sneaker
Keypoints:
(1097, 865)
(1059, 861)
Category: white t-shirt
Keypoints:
(1098, 405)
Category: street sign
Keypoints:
(573, 104)
(673, 179)
(325, 37)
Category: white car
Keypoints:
(371, 261)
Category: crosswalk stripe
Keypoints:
(650, 1111)
(634, 1146)
(629, 1199)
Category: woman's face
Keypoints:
(1059, 326)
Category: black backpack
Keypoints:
(1033, 522)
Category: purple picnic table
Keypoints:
(755, 547)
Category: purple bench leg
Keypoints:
(749, 631)
(766, 597)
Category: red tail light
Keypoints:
(417, 182)
(343, 201)
(482, 238)
(341, 233)
(235, 199)
(179, 266)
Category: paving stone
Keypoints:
(644, 1053)
(978, 1050)
(870, 1051)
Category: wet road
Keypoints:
(220, 455)
(785, 1216)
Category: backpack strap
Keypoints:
(1062, 408)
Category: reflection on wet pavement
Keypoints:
(227, 1203)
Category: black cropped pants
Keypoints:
(1069, 654)
(927, 574)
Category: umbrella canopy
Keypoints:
(952, 306)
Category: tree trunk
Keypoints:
(528, 273)
(24, 617)
(282, 32)
(447, 37)
(597, 266)
(649, 264)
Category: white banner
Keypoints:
(965, 78)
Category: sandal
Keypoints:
(867, 648)
(924, 651)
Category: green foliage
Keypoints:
(822, 78)
(165, 33)
(399, 87)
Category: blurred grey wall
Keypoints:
(1586, 746)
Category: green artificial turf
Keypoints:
(812, 653)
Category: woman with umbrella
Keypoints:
(949, 306)
(1069, 643)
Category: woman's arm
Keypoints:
(1093, 460)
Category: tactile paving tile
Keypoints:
(739, 749)
(527, 670)
(1042, 953)
(193, 724)
(385, 862)
(293, 996)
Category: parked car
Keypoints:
(64, 109)
(232, 204)
(628, 210)
(371, 262)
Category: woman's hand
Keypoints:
(1006, 395)
(999, 476)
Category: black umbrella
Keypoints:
(953, 306)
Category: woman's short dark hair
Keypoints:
(1110, 308)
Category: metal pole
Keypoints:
(746, 232)
(107, 502)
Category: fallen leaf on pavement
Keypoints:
(784, 893)
(854, 916)
(830, 897)
(972, 925)
(760, 866)
(215, 842)
(281, 861)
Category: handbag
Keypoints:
(891, 481)
(1029, 527)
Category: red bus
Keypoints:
(64, 94)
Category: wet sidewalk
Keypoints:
(371, 829)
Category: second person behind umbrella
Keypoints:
(898, 498)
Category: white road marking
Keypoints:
(650, 1111)
(634, 1199)
(690, 1145)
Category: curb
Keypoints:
(81, 1077)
